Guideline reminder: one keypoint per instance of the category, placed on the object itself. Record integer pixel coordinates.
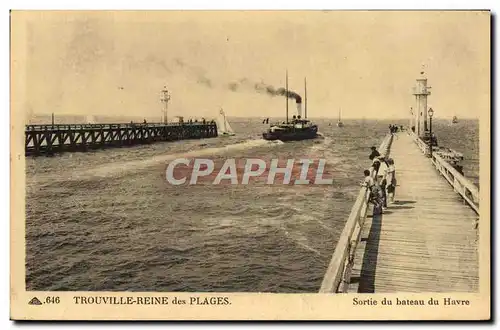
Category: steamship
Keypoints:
(298, 128)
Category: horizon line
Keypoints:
(262, 116)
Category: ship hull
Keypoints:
(290, 136)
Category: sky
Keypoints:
(365, 63)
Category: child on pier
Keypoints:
(376, 194)
(368, 181)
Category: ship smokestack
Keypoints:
(299, 109)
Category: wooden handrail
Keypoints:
(463, 186)
(340, 266)
(44, 127)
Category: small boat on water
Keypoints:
(339, 122)
(454, 120)
(297, 129)
(223, 127)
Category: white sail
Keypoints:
(228, 127)
(223, 126)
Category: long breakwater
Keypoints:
(50, 139)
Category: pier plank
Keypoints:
(426, 241)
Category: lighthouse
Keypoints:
(421, 91)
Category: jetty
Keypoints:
(50, 139)
(427, 240)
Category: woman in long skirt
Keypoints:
(391, 180)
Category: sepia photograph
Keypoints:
(200, 157)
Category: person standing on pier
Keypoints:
(383, 187)
(377, 198)
(391, 180)
(374, 153)
(393, 129)
(374, 156)
(376, 164)
(375, 192)
(382, 178)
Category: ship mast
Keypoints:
(305, 98)
(286, 95)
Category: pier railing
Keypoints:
(461, 185)
(424, 147)
(337, 276)
(44, 127)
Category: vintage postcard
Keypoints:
(250, 165)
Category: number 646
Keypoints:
(52, 300)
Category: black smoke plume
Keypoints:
(264, 88)
(202, 79)
(236, 85)
(272, 91)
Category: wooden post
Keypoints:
(286, 95)
(305, 98)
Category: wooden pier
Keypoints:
(50, 139)
(427, 241)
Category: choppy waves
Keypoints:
(107, 220)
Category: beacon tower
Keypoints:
(421, 91)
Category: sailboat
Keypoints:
(454, 120)
(339, 122)
(223, 127)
